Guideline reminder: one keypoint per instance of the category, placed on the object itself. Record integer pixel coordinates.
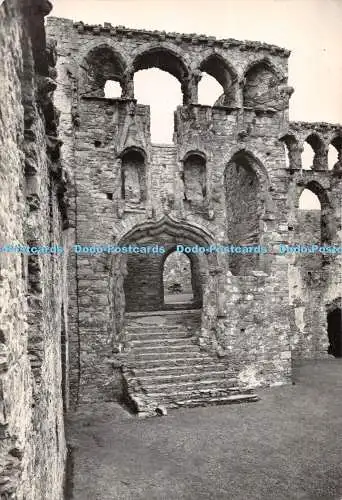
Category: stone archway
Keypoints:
(143, 284)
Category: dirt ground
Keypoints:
(287, 446)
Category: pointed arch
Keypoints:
(292, 151)
(254, 162)
(223, 72)
(335, 153)
(316, 219)
(171, 227)
(101, 64)
(266, 63)
(261, 84)
(317, 145)
(161, 57)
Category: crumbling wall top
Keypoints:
(326, 131)
(193, 38)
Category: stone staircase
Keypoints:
(165, 367)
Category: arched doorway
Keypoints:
(181, 282)
(143, 285)
(335, 332)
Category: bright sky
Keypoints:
(311, 29)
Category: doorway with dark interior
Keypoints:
(335, 332)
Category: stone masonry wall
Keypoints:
(32, 287)
(97, 132)
(129, 190)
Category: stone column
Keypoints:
(320, 161)
(127, 85)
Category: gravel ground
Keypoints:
(287, 446)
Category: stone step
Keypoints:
(180, 315)
(193, 386)
(158, 325)
(163, 342)
(170, 359)
(180, 368)
(133, 328)
(162, 349)
(221, 400)
(160, 354)
(195, 393)
(175, 379)
(157, 334)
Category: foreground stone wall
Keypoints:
(32, 287)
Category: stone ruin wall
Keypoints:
(256, 314)
(243, 314)
(33, 290)
(315, 281)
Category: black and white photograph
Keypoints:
(171, 250)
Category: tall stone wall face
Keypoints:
(32, 287)
(128, 190)
(315, 279)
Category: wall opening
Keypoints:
(112, 89)
(309, 218)
(209, 90)
(287, 156)
(178, 281)
(332, 157)
(218, 83)
(308, 156)
(102, 65)
(162, 92)
(314, 215)
(194, 178)
(133, 177)
(150, 279)
(243, 210)
(335, 332)
(335, 152)
(313, 155)
(309, 201)
(291, 151)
